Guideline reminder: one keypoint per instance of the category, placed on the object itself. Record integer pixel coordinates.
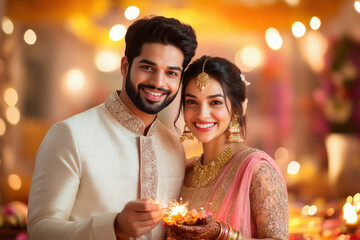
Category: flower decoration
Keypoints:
(339, 95)
(13, 215)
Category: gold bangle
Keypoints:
(231, 233)
(236, 234)
(239, 236)
(221, 231)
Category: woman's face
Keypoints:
(205, 112)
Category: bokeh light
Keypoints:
(248, 58)
(298, 29)
(14, 181)
(30, 37)
(357, 6)
(273, 39)
(132, 12)
(293, 167)
(2, 127)
(7, 25)
(12, 115)
(11, 96)
(292, 3)
(315, 23)
(117, 32)
(75, 80)
(313, 47)
(107, 61)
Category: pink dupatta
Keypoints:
(240, 191)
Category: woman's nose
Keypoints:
(204, 111)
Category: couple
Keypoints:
(101, 174)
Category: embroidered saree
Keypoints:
(249, 194)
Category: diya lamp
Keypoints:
(178, 213)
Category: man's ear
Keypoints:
(244, 106)
(124, 66)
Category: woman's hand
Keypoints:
(210, 230)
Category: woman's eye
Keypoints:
(216, 102)
(190, 102)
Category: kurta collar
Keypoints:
(126, 118)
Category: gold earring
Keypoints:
(234, 128)
(187, 134)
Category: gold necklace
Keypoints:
(205, 174)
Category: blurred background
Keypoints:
(302, 57)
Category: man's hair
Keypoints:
(158, 29)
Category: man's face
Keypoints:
(153, 80)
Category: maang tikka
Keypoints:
(235, 132)
(203, 78)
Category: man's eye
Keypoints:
(172, 73)
(147, 67)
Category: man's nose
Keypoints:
(157, 79)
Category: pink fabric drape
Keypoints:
(239, 191)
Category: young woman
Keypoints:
(241, 185)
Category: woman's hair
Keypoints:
(158, 29)
(228, 75)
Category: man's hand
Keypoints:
(137, 218)
(209, 230)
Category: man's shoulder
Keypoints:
(87, 114)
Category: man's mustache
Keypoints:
(167, 91)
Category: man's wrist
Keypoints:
(118, 233)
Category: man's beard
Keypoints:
(144, 104)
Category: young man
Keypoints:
(101, 174)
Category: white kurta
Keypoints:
(90, 165)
